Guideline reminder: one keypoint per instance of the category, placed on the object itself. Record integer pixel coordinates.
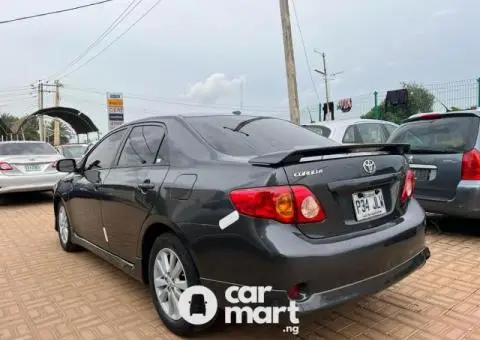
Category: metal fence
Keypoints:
(461, 94)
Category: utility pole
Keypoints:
(41, 121)
(325, 78)
(289, 62)
(56, 122)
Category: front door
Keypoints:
(84, 205)
(131, 188)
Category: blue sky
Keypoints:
(190, 56)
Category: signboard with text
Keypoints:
(115, 109)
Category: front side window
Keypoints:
(104, 153)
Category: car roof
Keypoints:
(345, 122)
(184, 117)
(475, 112)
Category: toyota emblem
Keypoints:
(369, 166)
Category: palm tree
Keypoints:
(66, 132)
(28, 131)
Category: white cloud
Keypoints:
(444, 12)
(216, 86)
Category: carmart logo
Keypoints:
(198, 306)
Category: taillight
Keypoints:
(4, 166)
(285, 204)
(408, 186)
(471, 165)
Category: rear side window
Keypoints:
(251, 136)
(141, 146)
(321, 130)
(451, 134)
(11, 149)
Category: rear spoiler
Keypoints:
(295, 156)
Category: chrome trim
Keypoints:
(422, 166)
(343, 155)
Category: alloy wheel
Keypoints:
(169, 281)
(63, 226)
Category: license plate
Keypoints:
(32, 167)
(368, 204)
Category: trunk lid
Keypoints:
(358, 186)
(29, 164)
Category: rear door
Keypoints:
(437, 147)
(131, 187)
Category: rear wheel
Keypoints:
(64, 229)
(171, 272)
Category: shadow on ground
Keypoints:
(24, 199)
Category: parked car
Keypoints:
(319, 226)
(446, 159)
(75, 151)
(354, 131)
(28, 166)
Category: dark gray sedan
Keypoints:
(224, 201)
(446, 159)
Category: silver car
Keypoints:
(354, 131)
(445, 157)
(74, 151)
(28, 166)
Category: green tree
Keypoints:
(29, 129)
(419, 100)
(65, 132)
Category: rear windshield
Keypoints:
(74, 151)
(452, 134)
(252, 136)
(12, 149)
(321, 130)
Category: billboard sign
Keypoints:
(115, 109)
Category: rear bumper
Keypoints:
(466, 202)
(332, 270)
(29, 183)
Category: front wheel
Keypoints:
(171, 272)
(64, 229)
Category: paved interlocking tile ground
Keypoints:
(46, 293)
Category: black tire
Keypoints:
(179, 327)
(66, 244)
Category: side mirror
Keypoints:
(66, 165)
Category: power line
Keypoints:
(114, 41)
(173, 102)
(305, 50)
(126, 12)
(55, 12)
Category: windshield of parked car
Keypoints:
(11, 149)
(251, 136)
(450, 134)
(74, 151)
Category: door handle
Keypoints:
(146, 185)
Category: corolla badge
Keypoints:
(307, 172)
(369, 166)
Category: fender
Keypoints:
(157, 219)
